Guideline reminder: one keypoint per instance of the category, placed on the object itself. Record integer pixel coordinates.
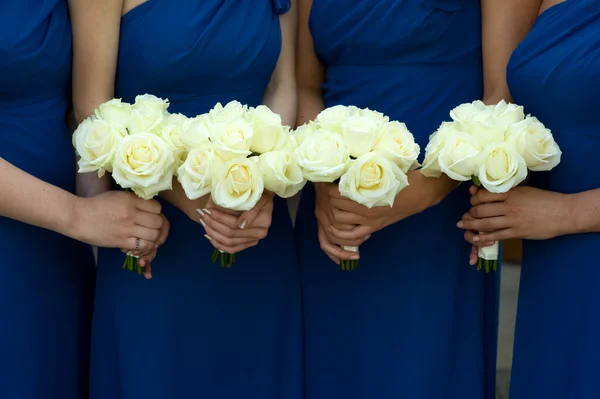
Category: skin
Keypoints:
(543, 222)
(342, 222)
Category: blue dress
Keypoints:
(555, 74)
(46, 279)
(414, 320)
(197, 330)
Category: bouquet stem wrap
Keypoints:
(349, 265)
(488, 256)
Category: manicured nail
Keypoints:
(207, 211)
(202, 222)
(355, 257)
(460, 225)
(199, 212)
(207, 237)
(142, 263)
(476, 238)
(243, 224)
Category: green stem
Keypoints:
(226, 260)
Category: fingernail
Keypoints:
(207, 211)
(355, 257)
(202, 222)
(460, 225)
(199, 211)
(207, 237)
(476, 238)
(243, 224)
(142, 263)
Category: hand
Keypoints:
(470, 234)
(422, 193)
(231, 231)
(523, 212)
(323, 212)
(145, 260)
(116, 219)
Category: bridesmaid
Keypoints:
(414, 320)
(196, 329)
(46, 277)
(555, 74)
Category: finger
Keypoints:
(470, 238)
(150, 220)
(349, 206)
(144, 247)
(473, 189)
(146, 259)
(486, 224)
(219, 216)
(333, 250)
(148, 272)
(498, 235)
(354, 237)
(233, 249)
(151, 206)
(164, 232)
(248, 217)
(474, 256)
(488, 210)
(220, 240)
(483, 196)
(145, 233)
(253, 233)
(344, 217)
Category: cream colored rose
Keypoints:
(372, 181)
(196, 132)
(232, 110)
(231, 139)
(502, 168)
(437, 142)
(96, 141)
(238, 184)
(116, 112)
(361, 133)
(323, 156)
(268, 132)
(172, 133)
(148, 114)
(144, 163)
(459, 158)
(398, 145)
(535, 143)
(508, 113)
(464, 112)
(281, 173)
(485, 127)
(303, 131)
(196, 173)
(332, 118)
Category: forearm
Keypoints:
(30, 200)
(281, 98)
(310, 104)
(580, 213)
(179, 199)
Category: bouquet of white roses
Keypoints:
(363, 151)
(493, 146)
(235, 153)
(132, 142)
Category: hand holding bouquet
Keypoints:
(493, 146)
(361, 150)
(125, 140)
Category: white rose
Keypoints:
(372, 181)
(332, 118)
(231, 139)
(485, 127)
(535, 143)
(398, 145)
(323, 156)
(269, 134)
(96, 142)
(464, 112)
(144, 163)
(437, 142)
(232, 110)
(459, 157)
(196, 173)
(360, 134)
(196, 132)
(303, 131)
(238, 184)
(172, 133)
(369, 113)
(502, 168)
(509, 113)
(148, 114)
(281, 173)
(116, 112)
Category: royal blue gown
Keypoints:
(555, 74)
(414, 320)
(46, 279)
(197, 330)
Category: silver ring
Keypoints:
(137, 245)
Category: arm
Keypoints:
(280, 95)
(584, 212)
(310, 73)
(96, 26)
(504, 24)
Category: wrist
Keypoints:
(71, 219)
(570, 220)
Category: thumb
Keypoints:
(247, 217)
